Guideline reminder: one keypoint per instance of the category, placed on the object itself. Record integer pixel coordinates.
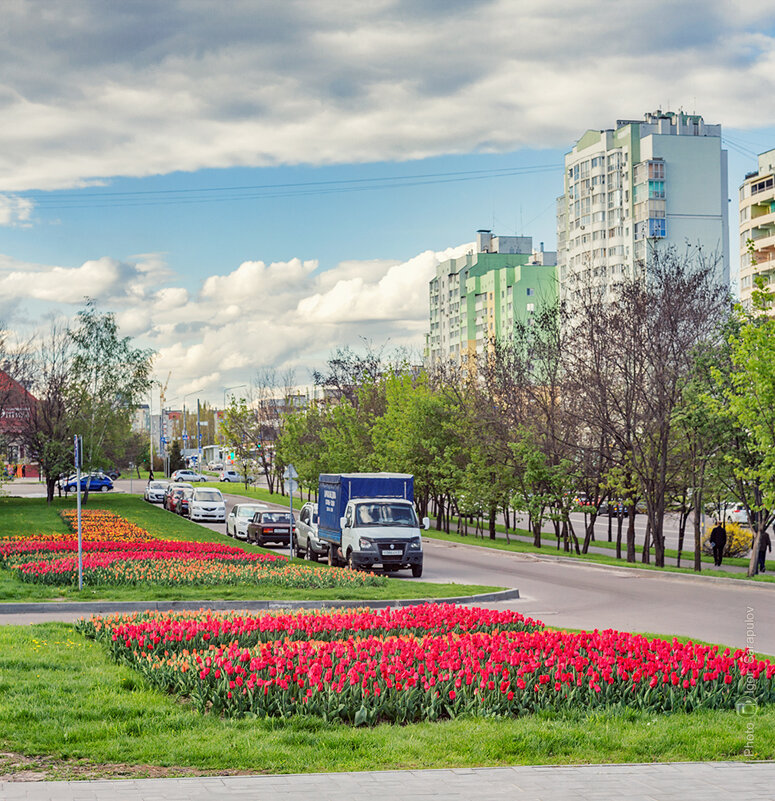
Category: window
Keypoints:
(657, 228)
(531, 307)
(529, 291)
(656, 189)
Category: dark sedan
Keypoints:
(270, 527)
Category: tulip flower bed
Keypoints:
(117, 553)
(420, 663)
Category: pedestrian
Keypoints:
(765, 544)
(24, 471)
(150, 475)
(718, 539)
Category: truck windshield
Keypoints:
(385, 514)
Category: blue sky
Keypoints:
(376, 137)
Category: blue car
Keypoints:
(96, 482)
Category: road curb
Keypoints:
(109, 607)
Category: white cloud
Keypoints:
(15, 211)
(278, 315)
(149, 88)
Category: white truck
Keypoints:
(369, 520)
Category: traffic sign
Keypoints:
(185, 436)
(291, 485)
(290, 472)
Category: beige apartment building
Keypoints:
(757, 224)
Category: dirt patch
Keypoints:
(20, 768)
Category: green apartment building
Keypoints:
(481, 295)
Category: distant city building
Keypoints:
(16, 408)
(757, 223)
(141, 419)
(481, 295)
(643, 185)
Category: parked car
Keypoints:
(113, 473)
(170, 500)
(187, 475)
(155, 491)
(230, 475)
(207, 504)
(270, 527)
(183, 505)
(240, 515)
(215, 466)
(730, 512)
(306, 541)
(94, 482)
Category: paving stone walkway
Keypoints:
(692, 781)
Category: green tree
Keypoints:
(108, 378)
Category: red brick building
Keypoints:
(15, 405)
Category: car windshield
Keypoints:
(276, 517)
(385, 514)
(157, 485)
(249, 511)
(208, 495)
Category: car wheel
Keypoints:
(417, 571)
(104, 488)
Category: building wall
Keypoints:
(482, 295)
(757, 223)
(610, 219)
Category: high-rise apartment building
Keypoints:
(481, 295)
(757, 224)
(643, 185)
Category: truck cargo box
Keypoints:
(337, 489)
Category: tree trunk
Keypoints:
(493, 514)
(574, 537)
(619, 522)
(50, 487)
(610, 522)
(631, 533)
(681, 533)
(589, 535)
(646, 553)
(697, 534)
(537, 532)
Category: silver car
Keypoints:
(154, 491)
(306, 542)
(240, 515)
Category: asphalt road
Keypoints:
(575, 595)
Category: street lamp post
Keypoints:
(185, 429)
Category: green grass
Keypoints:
(60, 695)
(22, 516)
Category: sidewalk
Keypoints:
(692, 781)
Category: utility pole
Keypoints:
(199, 433)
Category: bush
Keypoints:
(739, 540)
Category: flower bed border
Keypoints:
(108, 607)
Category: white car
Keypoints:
(207, 504)
(239, 517)
(230, 475)
(154, 491)
(187, 475)
(736, 513)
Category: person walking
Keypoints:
(765, 544)
(718, 539)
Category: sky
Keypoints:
(250, 185)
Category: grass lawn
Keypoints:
(21, 516)
(61, 696)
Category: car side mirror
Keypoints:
(342, 522)
(426, 523)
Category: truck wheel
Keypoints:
(331, 557)
(350, 564)
(308, 554)
(417, 571)
(296, 549)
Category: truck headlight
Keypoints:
(415, 544)
(365, 543)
